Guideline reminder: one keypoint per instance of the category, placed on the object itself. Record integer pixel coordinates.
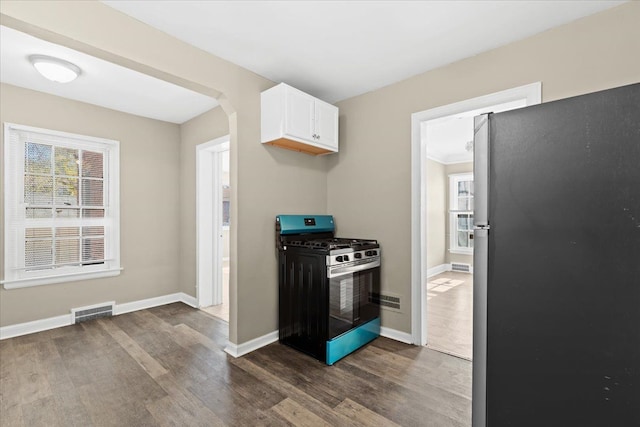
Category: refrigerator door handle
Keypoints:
(481, 170)
(480, 269)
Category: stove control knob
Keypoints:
(369, 253)
(339, 258)
(357, 255)
(346, 257)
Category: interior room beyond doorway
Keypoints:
(449, 182)
(449, 285)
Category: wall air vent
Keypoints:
(387, 301)
(464, 268)
(82, 314)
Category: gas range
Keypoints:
(328, 287)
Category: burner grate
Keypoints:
(331, 244)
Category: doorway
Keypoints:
(449, 218)
(213, 222)
(449, 223)
(442, 218)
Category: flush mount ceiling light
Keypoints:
(55, 69)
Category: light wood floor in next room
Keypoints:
(450, 313)
(221, 311)
(166, 367)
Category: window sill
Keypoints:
(461, 251)
(62, 278)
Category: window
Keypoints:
(61, 207)
(461, 213)
(226, 211)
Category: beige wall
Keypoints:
(591, 54)
(448, 170)
(437, 185)
(149, 220)
(272, 181)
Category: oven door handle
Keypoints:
(342, 271)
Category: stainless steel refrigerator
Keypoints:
(557, 263)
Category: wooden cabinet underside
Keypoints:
(298, 146)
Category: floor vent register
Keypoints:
(82, 314)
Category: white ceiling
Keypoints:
(331, 49)
(100, 83)
(447, 136)
(339, 49)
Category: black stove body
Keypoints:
(328, 288)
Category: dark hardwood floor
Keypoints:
(166, 367)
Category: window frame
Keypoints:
(454, 212)
(15, 221)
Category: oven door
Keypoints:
(351, 296)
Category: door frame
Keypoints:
(532, 93)
(209, 222)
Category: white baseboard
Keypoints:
(143, 304)
(67, 319)
(35, 326)
(189, 300)
(433, 271)
(237, 350)
(396, 335)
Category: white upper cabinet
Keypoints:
(297, 121)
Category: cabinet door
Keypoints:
(299, 115)
(326, 124)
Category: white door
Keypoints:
(212, 226)
(222, 203)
